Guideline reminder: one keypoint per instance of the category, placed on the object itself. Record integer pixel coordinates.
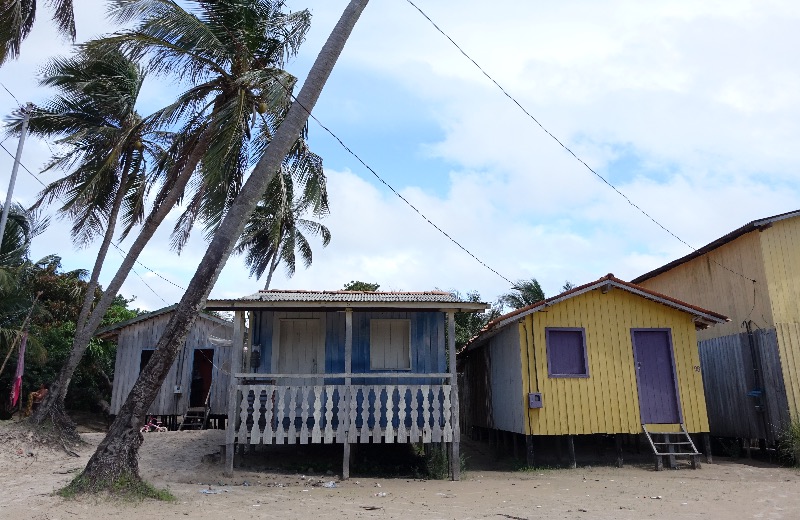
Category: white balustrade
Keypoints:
(274, 414)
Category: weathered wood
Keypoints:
(529, 453)
(707, 448)
(573, 463)
(618, 448)
(237, 344)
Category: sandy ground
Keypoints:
(725, 490)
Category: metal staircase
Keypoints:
(671, 445)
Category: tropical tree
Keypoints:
(232, 51)
(274, 232)
(116, 457)
(568, 286)
(106, 145)
(17, 18)
(523, 293)
(356, 285)
(469, 324)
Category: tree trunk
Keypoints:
(52, 406)
(272, 266)
(116, 457)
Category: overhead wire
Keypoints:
(560, 143)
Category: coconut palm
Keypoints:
(17, 18)
(231, 51)
(105, 145)
(523, 293)
(274, 232)
(116, 456)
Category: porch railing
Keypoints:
(272, 413)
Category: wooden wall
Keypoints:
(427, 339)
(508, 405)
(607, 401)
(781, 252)
(144, 335)
(703, 282)
(728, 377)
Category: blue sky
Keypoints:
(692, 109)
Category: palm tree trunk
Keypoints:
(117, 455)
(52, 406)
(272, 266)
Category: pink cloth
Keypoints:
(16, 388)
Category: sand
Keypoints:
(175, 460)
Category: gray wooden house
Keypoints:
(198, 379)
(344, 367)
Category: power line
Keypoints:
(120, 250)
(11, 94)
(557, 140)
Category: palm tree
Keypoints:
(116, 456)
(274, 231)
(232, 51)
(106, 147)
(523, 293)
(17, 18)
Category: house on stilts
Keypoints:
(608, 357)
(195, 392)
(343, 367)
(751, 366)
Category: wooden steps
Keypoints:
(194, 419)
(670, 446)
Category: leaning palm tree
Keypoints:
(116, 458)
(105, 145)
(17, 18)
(232, 52)
(523, 293)
(274, 232)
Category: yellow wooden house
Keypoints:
(607, 357)
(751, 365)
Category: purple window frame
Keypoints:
(582, 332)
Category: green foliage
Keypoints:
(469, 324)
(523, 293)
(16, 22)
(789, 442)
(355, 285)
(128, 487)
(568, 286)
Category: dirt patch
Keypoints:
(185, 463)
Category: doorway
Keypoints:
(655, 376)
(202, 371)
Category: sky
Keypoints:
(691, 109)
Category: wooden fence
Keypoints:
(743, 382)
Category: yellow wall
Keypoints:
(780, 245)
(606, 401)
(705, 283)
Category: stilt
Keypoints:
(529, 451)
(346, 462)
(573, 463)
(618, 445)
(515, 443)
(455, 460)
(672, 461)
(707, 448)
(559, 450)
(228, 452)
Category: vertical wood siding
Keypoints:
(607, 401)
(508, 405)
(132, 340)
(728, 377)
(702, 281)
(781, 252)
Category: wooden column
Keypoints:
(529, 461)
(618, 446)
(233, 398)
(707, 448)
(455, 447)
(345, 401)
(573, 463)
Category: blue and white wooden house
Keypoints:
(344, 367)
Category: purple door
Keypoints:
(655, 375)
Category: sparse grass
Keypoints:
(789, 443)
(128, 487)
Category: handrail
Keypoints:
(356, 375)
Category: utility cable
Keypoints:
(565, 147)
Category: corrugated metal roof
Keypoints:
(350, 296)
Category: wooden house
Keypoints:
(344, 367)
(607, 357)
(751, 366)
(198, 379)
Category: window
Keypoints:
(389, 344)
(566, 352)
(145, 358)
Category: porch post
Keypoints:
(455, 449)
(348, 367)
(236, 365)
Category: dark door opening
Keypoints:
(202, 370)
